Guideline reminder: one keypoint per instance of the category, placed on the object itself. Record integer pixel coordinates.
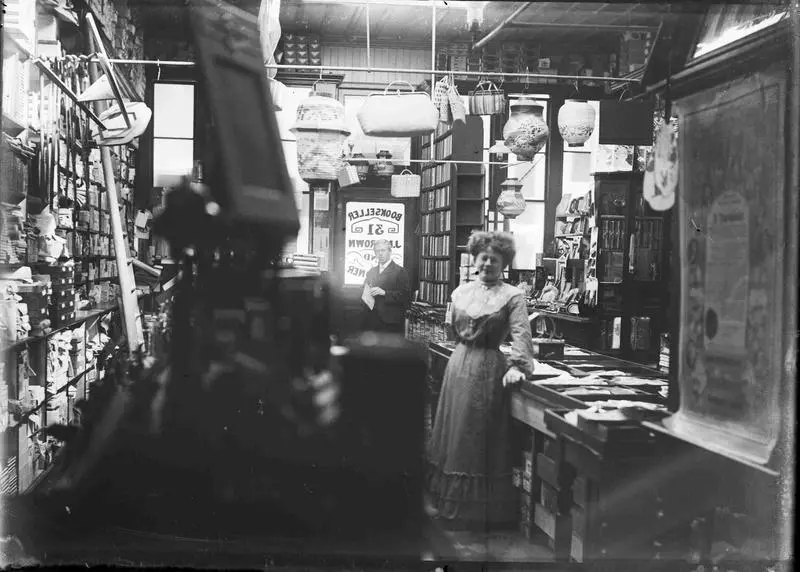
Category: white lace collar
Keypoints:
(478, 299)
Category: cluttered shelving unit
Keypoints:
(58, 298)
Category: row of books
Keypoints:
(436, 222)
(435, 199)
(435, 245)
(434, 293)
(435, 269)
(436, 175)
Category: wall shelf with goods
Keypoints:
(57, 262)
(46, 376)
(631, 267)
(452, 206)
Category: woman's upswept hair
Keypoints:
(500, 242)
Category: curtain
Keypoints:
(269, 25)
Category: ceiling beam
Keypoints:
(579, 27)
(485, 40)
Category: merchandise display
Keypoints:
(199, 230)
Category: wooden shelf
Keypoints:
(11, 126)
(437, 186)
(87, 315)
(12, 45)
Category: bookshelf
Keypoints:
(451, 206)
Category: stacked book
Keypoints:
(663, 354)
(307, 263)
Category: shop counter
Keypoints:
(555, 454)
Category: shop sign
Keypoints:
(367, 223)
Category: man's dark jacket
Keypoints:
(390, 310)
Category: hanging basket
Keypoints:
(405, 185)
(487, 100)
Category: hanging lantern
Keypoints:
(526, 131)
(511, 203)
(361, 165)
(321, 131)
(384, 167)
(576, 122)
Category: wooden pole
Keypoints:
(128, 300)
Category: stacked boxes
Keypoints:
(490, 58)
(301, 50)
(62, 283)
(634, 48)
(459, 57)
(511, 58)
(37, 298)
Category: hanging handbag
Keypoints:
(398, 114)
(405, 185)
(441, 102)
(487, 99)
(457, 107)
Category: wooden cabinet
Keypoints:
(631, 268)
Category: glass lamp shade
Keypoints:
(526, 131)
(499, 148)
(576, 122)
(511, 203)
(321, 131)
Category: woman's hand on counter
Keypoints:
(512, 377)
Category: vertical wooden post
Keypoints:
(554, 174)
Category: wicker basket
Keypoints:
(405, 185)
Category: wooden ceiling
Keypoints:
(584, 22)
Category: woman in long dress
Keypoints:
(470, 483)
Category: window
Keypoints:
(286, 118)
(528, 228)
(173, 132)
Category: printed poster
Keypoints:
(366, 223)
(731, 201)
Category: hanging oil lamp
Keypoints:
(511, 203)
(361, 164)
(384, 167)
